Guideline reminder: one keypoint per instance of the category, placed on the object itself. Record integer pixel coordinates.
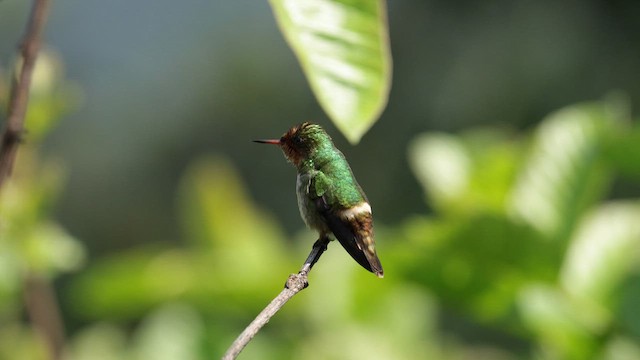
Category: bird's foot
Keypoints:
(297, 281)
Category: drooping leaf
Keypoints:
(343, 49)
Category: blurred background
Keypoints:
(504, 177)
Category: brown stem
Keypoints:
(40, 300)
(295, 283)
(19, 95)
(42, 307)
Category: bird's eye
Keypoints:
(297, 140)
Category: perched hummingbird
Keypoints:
(329, 197)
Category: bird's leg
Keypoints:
(299, 280)
(319, 247)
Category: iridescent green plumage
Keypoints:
(329, 197)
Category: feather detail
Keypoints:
(353, 228)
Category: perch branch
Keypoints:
(295, 283)
(19, 95)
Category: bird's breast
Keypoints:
(307, 207)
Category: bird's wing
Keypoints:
(352, 227)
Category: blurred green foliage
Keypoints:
(525, 256)
(530, 252)
(521, 245)
(32, 243)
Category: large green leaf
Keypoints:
(343, 48)
(563, 175)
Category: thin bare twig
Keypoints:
(295, 283)
(19, 95)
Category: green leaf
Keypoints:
(442, 164)
(52, 95)
(603, 251)
(344, 51)
(622, 150)
(565, 326)
(562, 175)
(465, 173)
(49, 248)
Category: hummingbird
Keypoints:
(330, 199)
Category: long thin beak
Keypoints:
(273, 141)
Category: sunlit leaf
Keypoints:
(566, 327)
(35, 242)
(50, 248)
(603, 251)
(465, 173)
(442, 165)
(344, 51)
(51, 96)
(562, 174)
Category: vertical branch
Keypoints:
(19, 95)
(39, 297)
(42, 308)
